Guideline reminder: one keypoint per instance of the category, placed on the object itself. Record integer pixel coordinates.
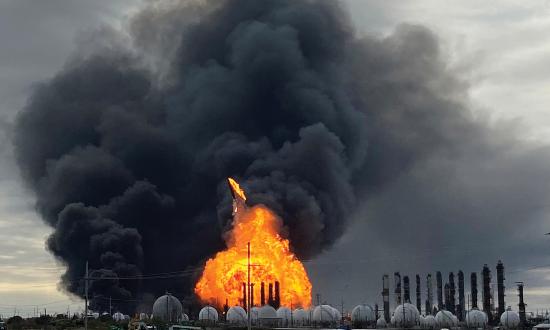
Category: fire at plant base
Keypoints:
(273, 264)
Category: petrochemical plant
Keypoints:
(445, 310)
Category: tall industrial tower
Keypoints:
(447, 297)
(486, 273)
(397, 281)
(461, 302)
(500, 287)
(521, 304)
(430, 298)
(439, 280)
(473, 289)
(452, 294)
(418, 297)
(407, 290)
(386, 296)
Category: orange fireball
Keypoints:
(270, 257)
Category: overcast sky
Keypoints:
(502, 51)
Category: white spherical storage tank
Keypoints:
(300, 317)
(285, 316)
(118, 317)
(267, 312)
(208, 314)
(236, 315)
(336, 313)
(268, 317)
(324, 314)
(381, 323)
(444, 319)
(406, 315)
(362, 314)
(167, 308)
(429, 322)
(476, 319)
(509, 319)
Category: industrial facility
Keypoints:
(454, 306)
(449, 312)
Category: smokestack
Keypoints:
(397, 280)
(521, 304)
(244, 296)
(262, 293)
(486, 273)
(447, 296)
(251, 295)
(407, 289)
(277, 301)
(452, 293)
(473, 289)
(386, 296)
(430, 298)
(418, 298)
(461, 302)
(500, 287)
(439, 284)
(270, 300)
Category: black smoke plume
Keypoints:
(128, 147)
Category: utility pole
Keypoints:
(248, 307)
(110, 307)
(86, 299)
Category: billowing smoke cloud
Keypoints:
(128, 154)
(128, 147)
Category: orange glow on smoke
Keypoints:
(272, 260)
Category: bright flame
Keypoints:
(270, 257)
(237, 189)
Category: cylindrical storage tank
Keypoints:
(476, 319)
(167, 308)
(362, 315)
(392, 321)
(95, 315)
(236, 315)
(509, 319)
(323, 315)
(143, 316)
(429, 322)
(406, 316)
(118, 317)
(381, 323)
(208, 314)
(285, 316)
(444, 319)
(299, 317)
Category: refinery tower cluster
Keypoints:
(445, 310)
